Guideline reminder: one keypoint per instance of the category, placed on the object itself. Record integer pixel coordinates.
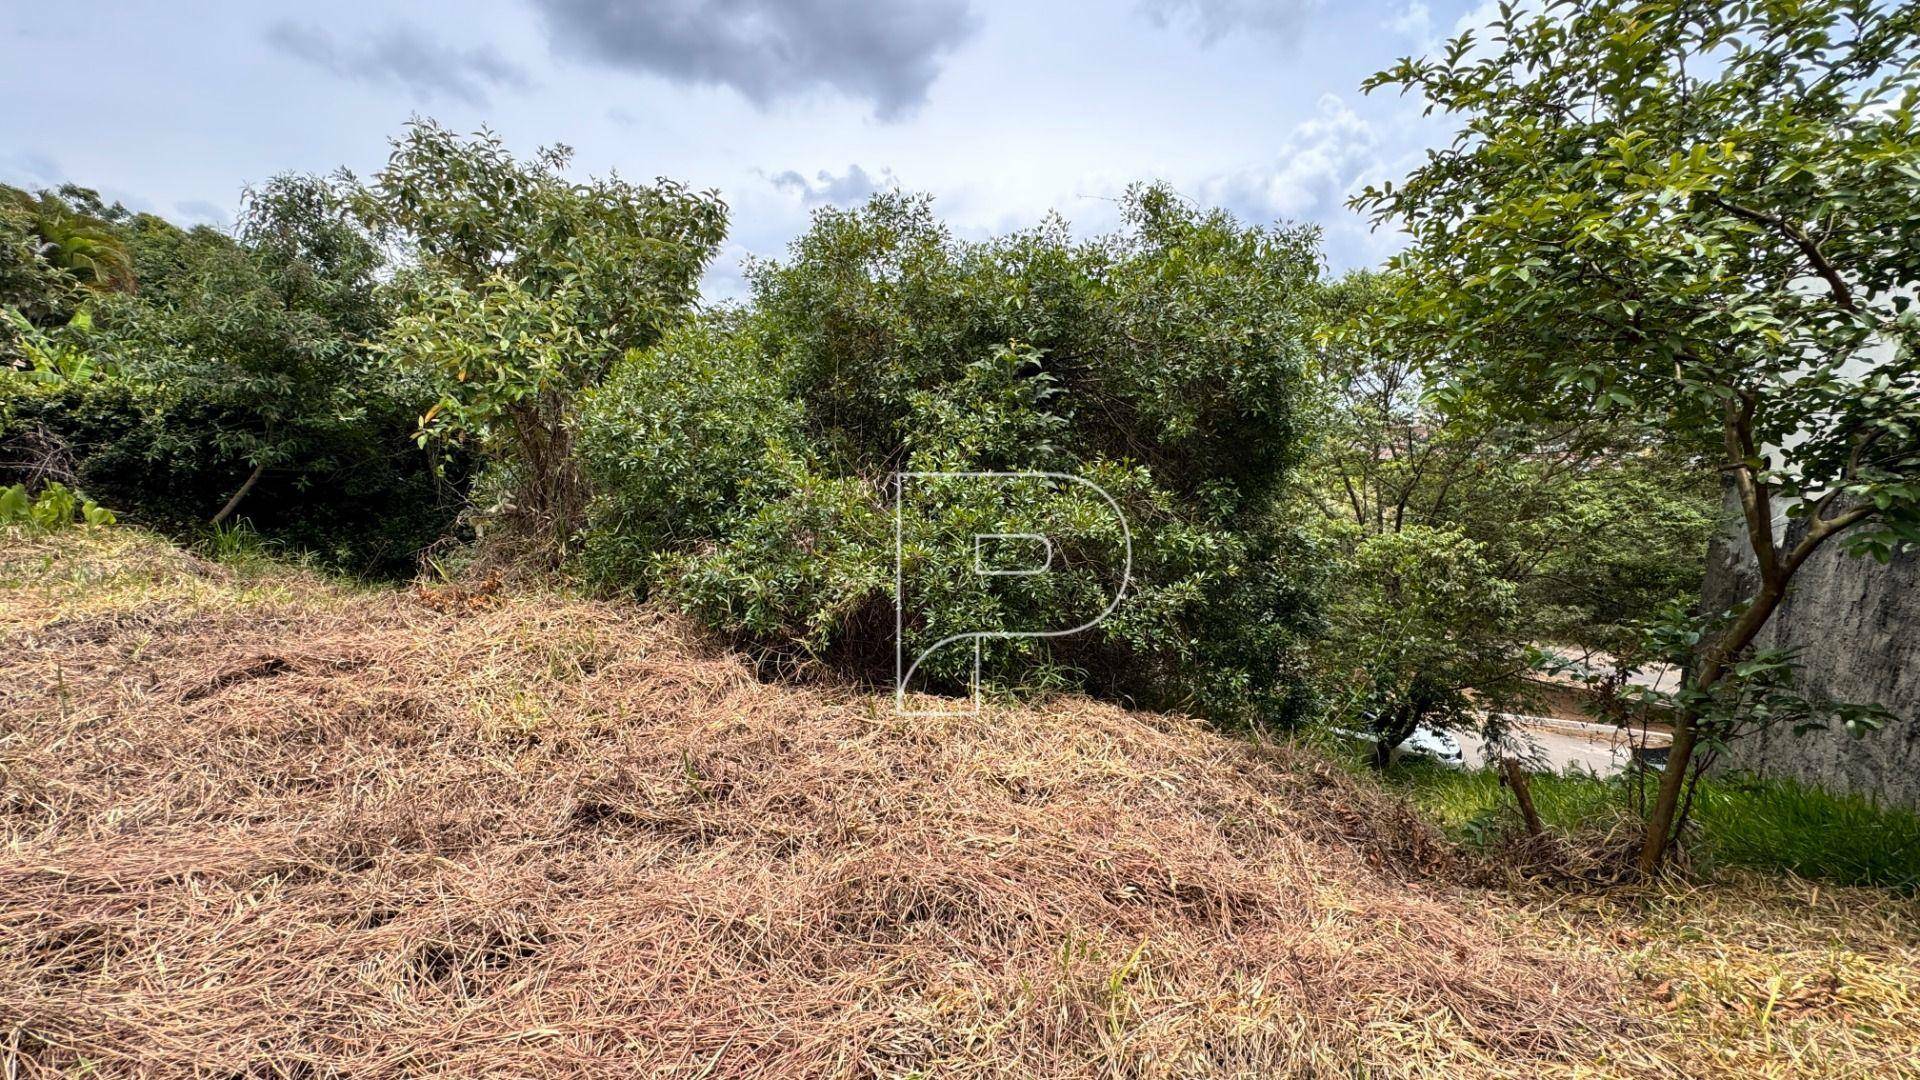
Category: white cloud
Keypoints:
(1415, 22)
(1316, 167)
(1480, 16)
(1320, 164)
(725, 280)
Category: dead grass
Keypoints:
(257, 824)
(1757, 976)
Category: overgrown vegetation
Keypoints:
(224, 375)
(521, 289)
(747, 468)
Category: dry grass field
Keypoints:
(257, 823)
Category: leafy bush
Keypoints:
(236, 381)
(801, 572)
(365, 500)
(674, 438)
(53, 356)
(52, 508)
(260, 337)
(30, 285)
(747, 465)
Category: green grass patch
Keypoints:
(1745, 821)
(1779, 824)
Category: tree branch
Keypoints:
(1755, 500)
(234, 502)
(1842, 294)
(1823, 529)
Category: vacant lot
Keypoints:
(257, 823)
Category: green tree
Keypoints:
(237, 380)
(1598, 518)
(1166, 362)
(522, 288)
(1702, 215)
(1589, 523)
(76, 233)
(58, 248)
(1422, 635)
(265, 334)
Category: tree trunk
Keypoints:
(1686, 733)
(1666, 802)
(1518, 780)
(552, 495)
(234, 502)
(1776, 568)
(1382, 753)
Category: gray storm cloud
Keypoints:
(884, 53)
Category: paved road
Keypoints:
(1561, 744)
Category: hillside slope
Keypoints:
(262, 824)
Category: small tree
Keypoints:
(1534, 511)
(1422, 635)
(522, 289)
(1703, 215)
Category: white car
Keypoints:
(1431, 743)
(1436, 744)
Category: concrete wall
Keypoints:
(1857, 624)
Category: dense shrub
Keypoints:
(746, 466)
(367, 500)
(675, 436)
(235, 380)
(262, 338)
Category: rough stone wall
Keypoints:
(1857, 624)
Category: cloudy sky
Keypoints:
(1001, 109)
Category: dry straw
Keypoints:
(271, 826)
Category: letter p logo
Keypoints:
(1012, 551)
